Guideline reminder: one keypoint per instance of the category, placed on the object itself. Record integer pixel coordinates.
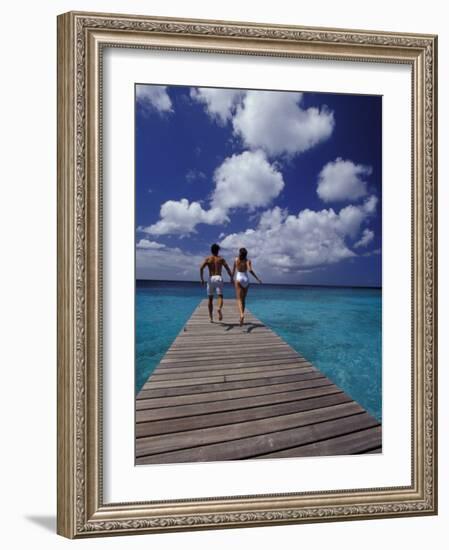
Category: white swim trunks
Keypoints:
(242, 278)
(215, 284)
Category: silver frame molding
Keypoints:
(81, 39)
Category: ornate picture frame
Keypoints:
(82, 38)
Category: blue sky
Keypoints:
(294, 177)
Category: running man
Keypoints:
(215, 264)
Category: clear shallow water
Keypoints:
(337, 329)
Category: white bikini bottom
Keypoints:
(242, 278)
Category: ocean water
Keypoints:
(337, 329)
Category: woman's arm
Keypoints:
(234, 267)
(230, 273)
(250, 265)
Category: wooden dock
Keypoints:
(225, 392)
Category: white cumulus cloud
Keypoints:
(341, 180)
(181, 217)
(273, 121)
(146, 243)
(272, 218)
(219, 103)
(166, 264)
(351, 216)
(365, 239)
(154, 97)
(246, 180)
(284, 243)
(276, 122)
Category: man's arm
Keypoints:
(230, 273)
(203, 265)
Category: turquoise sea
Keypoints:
(338, 329)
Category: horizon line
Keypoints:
(271, 284)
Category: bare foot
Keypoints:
(241, 321)
(220, 315)
(211, 319)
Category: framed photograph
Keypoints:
(247, 248)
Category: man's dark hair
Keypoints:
(214, 249)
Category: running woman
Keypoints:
(240, 274)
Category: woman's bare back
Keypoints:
(242, 265)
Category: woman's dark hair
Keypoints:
(214, 249)
(243, 253)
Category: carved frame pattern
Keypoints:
(81, 37)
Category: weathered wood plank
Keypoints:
(232, 377)
(239, 353)
(203, 387)
(206, 436)
(274, 371)
(205, 360)
(180, 374)
(312, 381)
(233, 363)
(262, 444)
(148, 393)
(165, 369)
(188, 382)
(186, 339)
(229, 417)
(146, 415)
(221, 345)
(359, 442)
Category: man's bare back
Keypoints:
(215, 264)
